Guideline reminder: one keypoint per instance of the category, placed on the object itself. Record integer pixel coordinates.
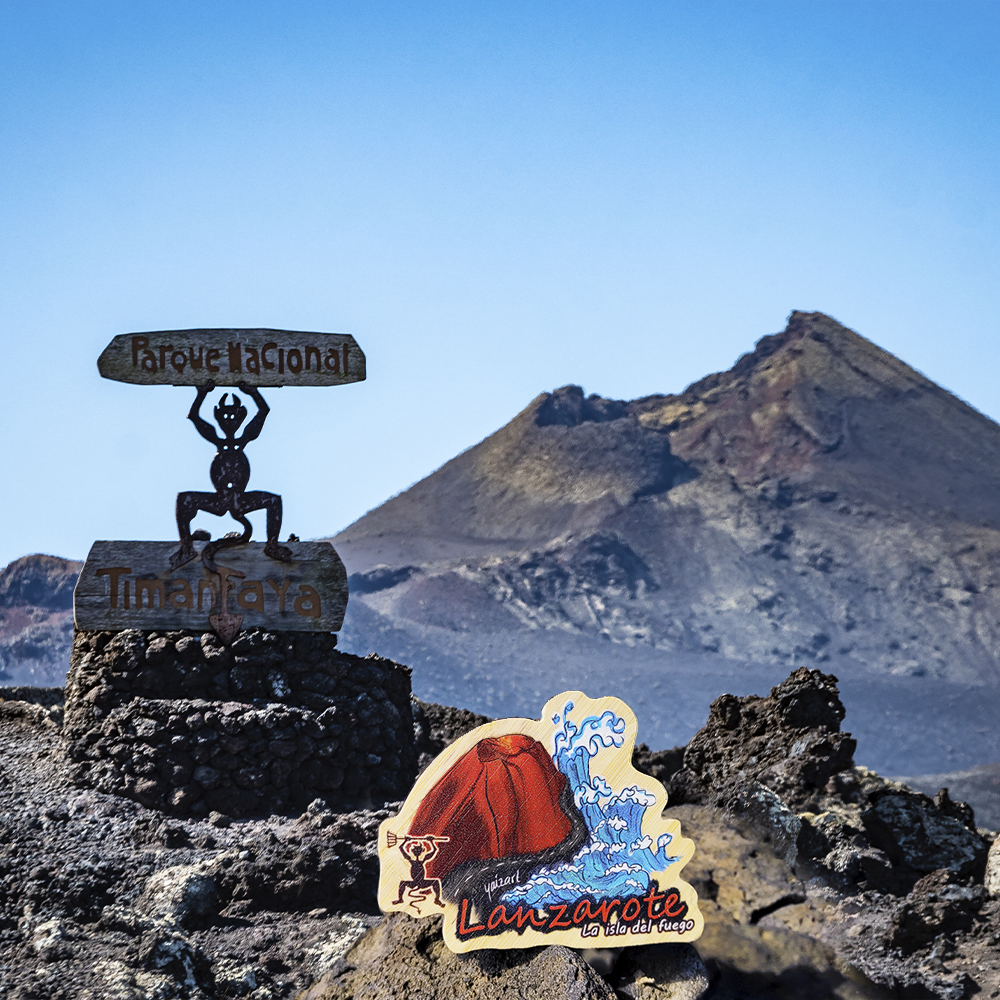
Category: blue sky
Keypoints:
(494, 199)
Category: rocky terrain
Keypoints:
(978, 785)
(820, 503)
(818, 879)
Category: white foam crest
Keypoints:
(637, 795)
(624, 867)
(593, 792)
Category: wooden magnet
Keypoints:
(531, 832)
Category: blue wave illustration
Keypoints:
(616, 859)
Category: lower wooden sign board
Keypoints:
(531, 832)
(131, 585)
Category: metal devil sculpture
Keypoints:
(230, 474)
(152, 585)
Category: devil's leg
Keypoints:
(188, 504)
(270, 502)
(403, 886)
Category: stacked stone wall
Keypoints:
(183, 723)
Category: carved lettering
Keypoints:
(204, 585)
(129, 585)
(137, 344)
(241, 356)
(251, 589)
(225, 572)
(280, 591)
(150, 587)
(183, 597)
(113, 572)
(307, 603)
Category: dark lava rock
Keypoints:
(789, 742)
(180, 722)
(783, 763)
(923, 833)
(937, 905)
(660, 764)
(568, 407)
(437, 726)
(408, 958)
(102, 897)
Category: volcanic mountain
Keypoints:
(36, 619)
(819, 503)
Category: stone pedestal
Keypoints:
(180, 722)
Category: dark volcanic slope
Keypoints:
(819, 502)
(36, 619)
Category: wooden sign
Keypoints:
(233, 357)
(526, 833)
(131, 585)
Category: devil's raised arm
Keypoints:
(257, 424)
(205, 429)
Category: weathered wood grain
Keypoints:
(232, 357)
(131, 585)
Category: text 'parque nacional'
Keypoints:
(233, 357)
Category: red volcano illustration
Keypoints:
(498, 800)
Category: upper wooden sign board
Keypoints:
(233, 357)
(131, 585)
